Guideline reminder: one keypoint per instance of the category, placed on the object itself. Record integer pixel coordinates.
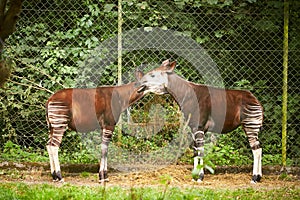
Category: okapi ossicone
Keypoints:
(85, 110)
(210, 109)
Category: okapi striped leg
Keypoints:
(198, 138)
(252, 124)
(52, 148)
(106, 136)
(57, 121)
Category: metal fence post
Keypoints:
(285, 83)
(120, 20)
(119, 42)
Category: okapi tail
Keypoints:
(47, 117)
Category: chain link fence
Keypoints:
(75, 44)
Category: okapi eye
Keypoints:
(152, 75)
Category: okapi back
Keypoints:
(95, 108)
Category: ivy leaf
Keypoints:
(108, 7)
(251, 1)
(219, 34)
(142, 5)
(164, 28)
(228, 2)
(202, 40)
(212, 2)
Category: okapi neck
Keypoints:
(128, 95)
(181, 90)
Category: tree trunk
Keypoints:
(9, 14)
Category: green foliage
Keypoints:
(226, 155)
(81, 156)
(13, 152)
(85, 174)
(210, 167)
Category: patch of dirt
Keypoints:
(174, 175)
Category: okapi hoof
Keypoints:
(200, 179)
(59, 181)
(103, 177)
(103, 181)
(255, 179)
(57, 177)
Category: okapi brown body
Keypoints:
(210, 109)
(85, 110)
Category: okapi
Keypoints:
(210, 109)
(85, 110)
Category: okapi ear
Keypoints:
(166, 63)
(172, 66)
(138, 74)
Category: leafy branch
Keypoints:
(42, 72)
(27, 85)
(34, 85)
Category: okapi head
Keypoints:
(156, 81)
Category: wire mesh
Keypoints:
(74, 44)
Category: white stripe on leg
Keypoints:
(201, 164)
(103, 163)
(55, 158)
(255, 162)
(52, 169)
(257, 168)
(196, 161)
(259, 161)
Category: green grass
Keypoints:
(67, 191)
